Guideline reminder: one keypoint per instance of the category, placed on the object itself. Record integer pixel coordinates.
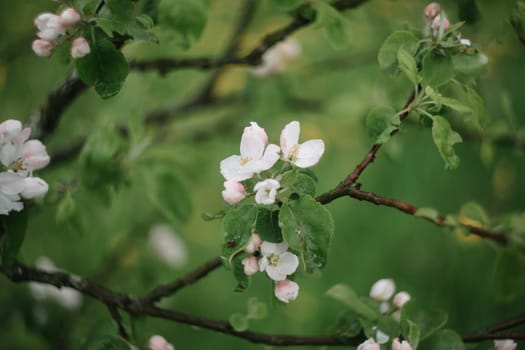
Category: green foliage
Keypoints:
(334, 24)
(104, 336)
(428, 213)
(436, 69)
(185, 19)
(445, 138)
(347, 296)
(411, 332)
(267, 225)
(299, 182)
(509, 277)
(307, 227)
(105, 68)
(445, 339)
(407, 64)
(388, 53)
(381, 122)
(348, 324)
(243, 280)
(12, 234)
(238, 225)
(287, 5)
(256, 311)
(428, 320)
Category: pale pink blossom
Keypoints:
(436, 23)
(233, 192)
(251, 266)
(369, 344)
(11, 185)
(286, 291)
(432, 10)
(253, 244)
(256, 155)
(42, 48)
(383, 289)
(168, 246)
(277, 261)
(266, 191)
(505, 344)
(401, 299)
(404, 345)
(50, 26)
(302, 155)
(34, 155)
(69, 17)
(277, 58)
(34, 187)
(80, 48)
(9, 129)
(158, 342)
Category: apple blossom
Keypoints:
(505, 344)
(80, 48)
(233, 192)
(11, 185)
(381, 337)
(256, 155)
(401, 299)
(266, 191)
(251, 266)
(69, 17)
(158, 342)
(436, 23)
(276, 59)
(42, 48)
(34, 187)
(286, 291)
(302, 155)
(383, 289)
(253, 244)
(49, 25)
(33, 155)
(277, 261)
(369, 344)
(432, 10)
(404, 345)
(168, 246)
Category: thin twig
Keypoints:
(118, 320)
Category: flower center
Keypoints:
(245, 160)
(293, 151)
(274, 260)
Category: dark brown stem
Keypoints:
(118, 320)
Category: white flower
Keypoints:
(276, 59)
(11, 185)
(69, 17)
(80, 48)
(168, 246)
(404, 345)
(158, 342)
(383, 289)
(302, 155)
(432, 10)
(253, 244)
(266, 191)
(42, 48)
(50, 26)
(369, 344)
(286, 291)
(34, 187)
(505, 344)
(256, 155)
(250, 265)
(401, 299)
(277, 261)
(233, 192)
(33, 155)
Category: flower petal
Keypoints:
(309, 153)
(253, 141)
(232, 169)
(269, 158)
(288, 263)
(274, 273)
(290, 137)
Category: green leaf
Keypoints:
(407, 64)
(478, 107)
(287, 5)
(12, 234)
(445, 138)
(436, 69)
(445, 339)
(447, 101)
(347, 296)
(66, 208)
(387, 55)
(411, 332)
(238, 226)
(239, 322)
(169, 193)
(381, 122)
(299, 182)
(470, 65)
(185, 19)
(256, 310)
(104, 336)
(267, 225)
(509, 277)
(348, 324)
(243, 280)
(307, 227)
(105, 68)
(428, 213)
(474, 211)
(428, 320)
(334, 24)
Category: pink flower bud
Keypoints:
(255, 133)
(369, 344)
(383, 289)
(437, 22)
(10, 128)
(253, 244)
(505, 344)
(233, 192)
(42, 48)
(432, 10)
(158, 342)
(69, 17)
(34, 187)
(80, 48)
(49, 25)
(34, 155)
(401, 299)
(286, 291)
(251, 266)
(396, 345)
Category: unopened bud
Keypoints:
(42, 48)
(505, 344)
(286, 291)
(437, 22)
(404, 345)
(253, 244)
(401, 299)
(69, 17)
(432, 10)
(383, 289)
(251, 266)
(80, 48)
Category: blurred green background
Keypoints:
(102, 232)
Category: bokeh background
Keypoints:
(96, 222)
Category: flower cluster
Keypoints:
(51, 27)
(258, 156)
(157, 342)
(277, 262)
(277, 58)
(505, 344)
(436, 20)
(19, 157)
